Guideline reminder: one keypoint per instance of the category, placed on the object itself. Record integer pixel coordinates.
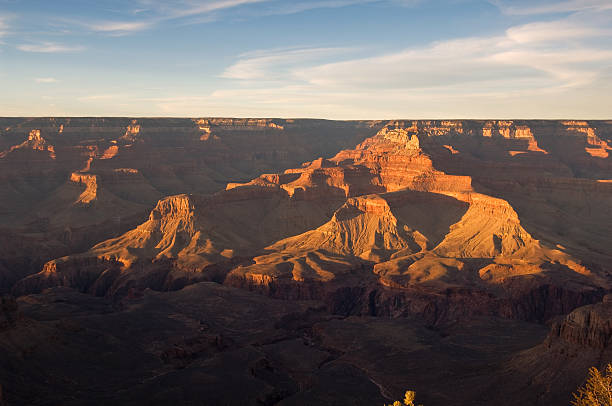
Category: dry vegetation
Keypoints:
(409, 398)
(597, 390)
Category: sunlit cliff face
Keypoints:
(255, 245)
(596, 147)
(433, 203)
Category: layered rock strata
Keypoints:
(374, 225)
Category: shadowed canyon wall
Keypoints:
(386, 252)
(68, 183)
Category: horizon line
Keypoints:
(306, 118)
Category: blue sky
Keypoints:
(342, 59)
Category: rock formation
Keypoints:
(73, 182)
(549, 372)
(405, 252)
(379, 216)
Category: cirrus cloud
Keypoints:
(546, 63)
(532, 7)
(270, 64)
(46, 80)
(50, 47)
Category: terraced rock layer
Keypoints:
(421, 252)
(69, 183)
(373, 225)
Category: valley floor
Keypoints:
(209, 344)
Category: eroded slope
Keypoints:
(381, 214)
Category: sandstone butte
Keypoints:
(445, 222)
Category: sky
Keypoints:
(336, 59)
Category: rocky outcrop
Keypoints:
(82, 273)
(9, 313)
(554, 369)
(347, 295)
(99, 177)
(35, 142)
(587, 326)
(90, 182)
(380, 212)
(473, 233)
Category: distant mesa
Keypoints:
(35, 142)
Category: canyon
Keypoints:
(303, 261)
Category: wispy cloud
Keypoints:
(561, 56)
(556, 31)
(4, 27)
(157, 11)
(150, 13)
(277, 63)
(280, 7)
(50, 47)
(188, 8)
(46, 80)
(103, 96)
(536, 61)
(294, 7)
(120, 27)
(530, 7)
(542, 55)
